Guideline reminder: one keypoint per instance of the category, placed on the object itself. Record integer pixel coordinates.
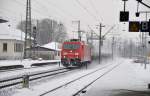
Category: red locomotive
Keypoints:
(75, 53)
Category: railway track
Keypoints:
(20, 67)
(33, 76)
(82, 90)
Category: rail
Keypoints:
(34, 76)
(54, 89)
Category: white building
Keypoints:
(56, 47)
(11, 42)
(12, 45)
(50, 51)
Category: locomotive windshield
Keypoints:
(71, 46)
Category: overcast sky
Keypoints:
(89, 12)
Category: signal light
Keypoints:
(124, 16)
(137, 14)
(149, 27)
(134, 26)
(139, 0)
(144, 26)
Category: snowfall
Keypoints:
(125, 77)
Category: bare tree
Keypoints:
(48, 31)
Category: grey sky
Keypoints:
(105, 11)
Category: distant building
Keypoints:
(54, 46)
(48, 51)
(11, 42)
(12, 45)
(2, 20)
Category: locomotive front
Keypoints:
(71, 54)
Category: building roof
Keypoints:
(39, 48)
(53, 46)
(3, 20)
(8, 32)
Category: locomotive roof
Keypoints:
(76, 40)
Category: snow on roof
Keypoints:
(8, 32)
(52, 45)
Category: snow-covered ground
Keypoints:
(18, 73)
(69, 89)
(26, 63)
(129, 76)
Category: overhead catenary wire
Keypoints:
(140, 1)
(61, 10)
(94, 8)
(5, 11)
(45, 13)
(43, 5)
(40, 12)
(92, 15)
(33, 9)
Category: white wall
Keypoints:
(10, 54)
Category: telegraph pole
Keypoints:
(79, 32)
(124, 4)
(100, 40)
(28, 29)
(144, 38)
(34, 41)
(112, 47)
(92, 37)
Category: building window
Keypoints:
(58, 53)
(4, 47)
(18, 47)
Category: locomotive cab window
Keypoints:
(71, 46)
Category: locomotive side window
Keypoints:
(71, 46)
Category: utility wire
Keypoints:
(61, 10)
(34, 9)
(96, 11)
(143, 3)
(5, 11)
(42, 5)
(94, 17)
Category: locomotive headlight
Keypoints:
(64, 53)
(64, 56)
(76, 53)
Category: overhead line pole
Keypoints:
(100, 40)
(140, 1)
(79, 32)
(28, 29)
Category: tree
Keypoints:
(48, 31)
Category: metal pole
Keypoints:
(21, 39)
(145, 61)
(130, 48)
(79, 32)
(38, 34)
(100, 41)
(34, 41)
(113, 48)
(28, 28)
(124, 4)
